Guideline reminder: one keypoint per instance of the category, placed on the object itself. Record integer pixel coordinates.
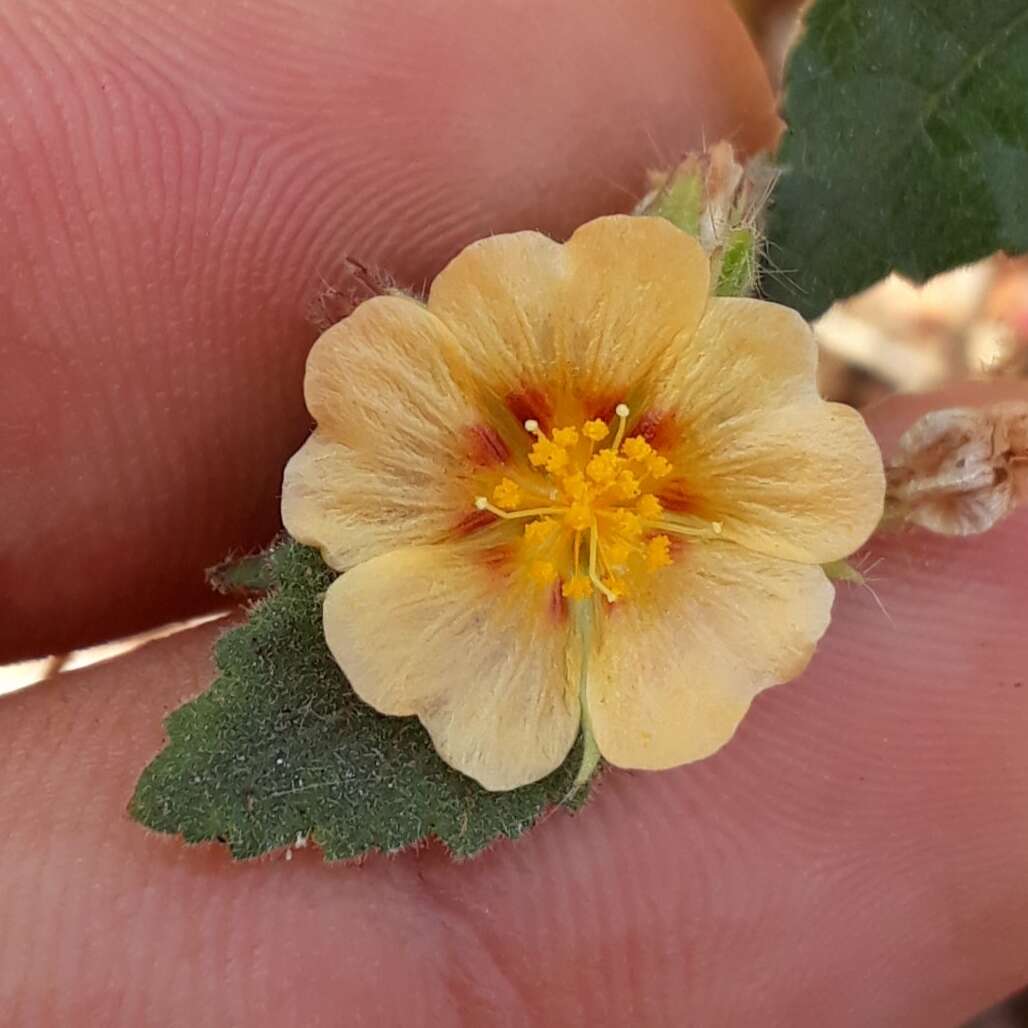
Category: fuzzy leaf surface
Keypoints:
(907, 145)
(280, 747)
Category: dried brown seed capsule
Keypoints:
(959, 471)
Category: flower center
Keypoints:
(590, 520)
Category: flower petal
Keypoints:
(788, 474)
(390, 463)
(477, 656)
(677, 667)
(499, 296)
(381, 380)
(805, 483)
(744, 355)
(638, 287)
(352, 509)
(587, 318)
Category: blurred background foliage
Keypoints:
(896, 336)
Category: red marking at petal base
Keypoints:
(486, 447)
(558, 605)
(677, 547)
(474, 521)
(531, 404)
(600, 408)
(658, 429)
(497, 559)
(675, 497)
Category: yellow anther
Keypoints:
(717, 526)
(557, 461)
(636, 448)
(617, 552)
(578, 517)
(594, 537)
(545, 453)
(543, 571)
(658, 552)
(575, 486)
(539, 531)
(649, 507)
(627, 486)
(629, 523)
(658, 466)
(540, 453)
(603, 468)
(577, 588)
(507, 495)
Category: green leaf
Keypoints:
(907, 145)
(280, 747)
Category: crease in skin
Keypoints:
(182, 180)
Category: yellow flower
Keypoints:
(574, 485)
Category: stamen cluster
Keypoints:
(590, 524)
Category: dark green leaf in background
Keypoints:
(279, 747)
(907, 146)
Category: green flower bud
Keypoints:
(720, 202)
